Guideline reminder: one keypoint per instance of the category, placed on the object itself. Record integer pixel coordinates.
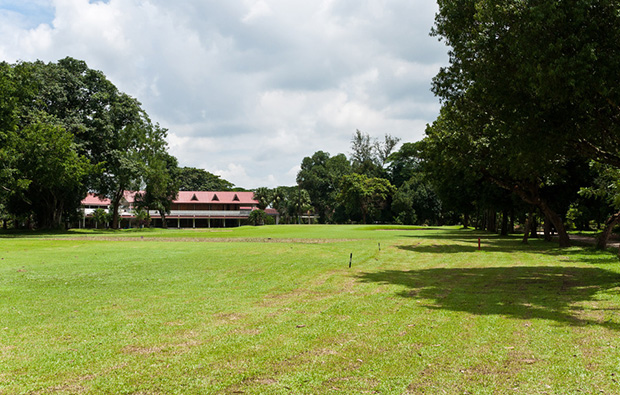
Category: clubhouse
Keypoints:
(191, 209)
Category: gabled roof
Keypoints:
(220, 197)
(243, 198)
(92, 200)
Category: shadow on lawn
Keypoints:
(518, 292)
(32, 234)
(584, 253)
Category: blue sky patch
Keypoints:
(32, 13)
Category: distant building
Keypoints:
(191, 209)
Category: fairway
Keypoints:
(277, 310)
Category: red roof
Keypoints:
(245, 198)
(92, 200)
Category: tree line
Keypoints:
(530, 107)
(376, 183)
(528, 132)
(66, 130)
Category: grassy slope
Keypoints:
(426, 313)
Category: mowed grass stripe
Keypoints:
(427, 312)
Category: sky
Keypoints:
(248, 88)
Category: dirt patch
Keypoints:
(275, 300)
(174, 323)
(75, 385)
(250, 332)
(229, 316)
(204, 240)
(265, 381)
(178, 348)
(141, 350)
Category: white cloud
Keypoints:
(247, 89)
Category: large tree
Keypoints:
(364, 195)
(193, 179)
(104, 125)
(321, 175)
(529, 85)
(56, 175)
(161, 179)
(369, 156)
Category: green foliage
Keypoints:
(369, 156)
(257, 217)
(142, 217)
(101, 217)
(529, 88)
(290, 202)
(298, 203)
(264, 196)
(162, 182)
(364, 196)
(55, 173)
(105, 135)
(321, 175)
(193, 179)
(405, 163)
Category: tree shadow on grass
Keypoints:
(524, 292)
(582, 253)
(44, 233)
(442, 233)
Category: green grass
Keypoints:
(277, 310)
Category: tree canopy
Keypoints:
(193, 179)
(529, 91)
(66, 129)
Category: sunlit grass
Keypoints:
(279, 311)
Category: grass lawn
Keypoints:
(277, 310)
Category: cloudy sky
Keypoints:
(247, 88)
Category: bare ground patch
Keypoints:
(206, 240)
(77, 385)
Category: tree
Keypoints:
(364, 195)
(101, 217)
(298, 202)
(369, 156)
(321, 176)
(107, 127)
(193, 179)
(403, 206)
(529, 86)
(142, 217)
(404, 163)
(257, 217)
(606, 187)
(264, 197)
(161, 180)
(363, 156)
(280, 199)
(56, 174)
(9, 180)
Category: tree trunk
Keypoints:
(504, 231)
(534, 227)
(115, 203)
(492, 221)
(162, 215)
(528, 225)
(557, 223)
(603, 238)
(547, 230)
(529, 192)
(466, 221)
